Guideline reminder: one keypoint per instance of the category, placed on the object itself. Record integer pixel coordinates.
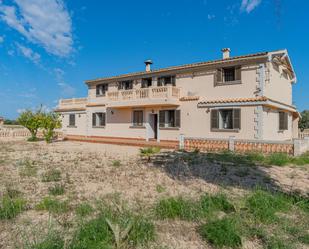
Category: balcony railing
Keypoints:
(72, 103)
(162, 92)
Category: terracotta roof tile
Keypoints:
(69, 109)
(189, 98)
(236, 100)
(185, 66)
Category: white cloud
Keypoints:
(44, 22)
(29, 53)
(31, 93)
(11, 52)
(66, 89)
(210, 16)
(249, 5)
(1, 39)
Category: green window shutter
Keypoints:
(236, 119)
(161, 118)
(238, 73)
(214, 123)
(218, 76)
(94, 117)
(177, 118)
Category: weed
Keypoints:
(160, 188)
(51, 241)
(11, 207)
(53, 205)
(279, 159)
(116, 163)
(28, 168)
(264, 205)
(221, 233)
(84, 209)
(149, 152)
(53, 175)
(57, 189)
(218, 202)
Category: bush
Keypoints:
(149, 152)
(53, 205)
(49, 122)
(116, 163)
(53, 175)
(58, 189)
(11, 207)
(221, 233)
(31, 121)
(279, 159)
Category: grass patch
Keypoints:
(84, 209)
(114, 229)
(264, 205)
(221, 233)
(116, 163)
(28, 168)
(218, 202)
(53, 175)
(53, 205)
(57, 189)
(51, 241)
(147, 153)
(279, 159)
(160, 188)
(11, 207)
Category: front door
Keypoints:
(154, 126)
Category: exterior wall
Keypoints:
(278, 87)
(271, 126)
(80, 123)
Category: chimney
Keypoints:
(226, 53)
(148, 64)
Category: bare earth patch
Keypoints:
(88, 174)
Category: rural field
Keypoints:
(82, 195)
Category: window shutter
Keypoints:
(236, 118)
(177, 118)
(238, 73)
(283, 121)
(94, 118)
(218, 76)
(214, 119)
(103, 119)
(97, 89)
(161, 118)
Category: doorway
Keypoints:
(154, 126)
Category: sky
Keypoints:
(48, 48)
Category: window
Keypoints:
(101, 89)
(225, 119)
(138, 118)
(125, 85)
(98, 119)
(167, 80)
(228, 75)
(146, 83)
(72, 120)
(169, 118)
(283, 121)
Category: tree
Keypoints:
(304, 120)
(32, 121)
(50, 121)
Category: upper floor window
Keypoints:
(167, 80)
(98, 119)
(146, 82)
(169, 118)
(125, 85)
(101, 89)
(283, 121)
(228, 75)
(225, 119)
(138, 118)
(71, 119)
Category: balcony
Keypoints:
(72, 104)
(163, 95)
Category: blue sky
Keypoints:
(49, 47)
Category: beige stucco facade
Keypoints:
(201, 102)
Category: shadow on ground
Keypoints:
(224, 169)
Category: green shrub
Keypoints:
(57, 189)
(279, 159)
(301, 160)
(178, 207)
(218, 202)
(53, 205)
(116, 163)
(53, 175)
(221, 233)
(149, 152)
(255, 156)
(264, 205)
(84, 209)
(11, 207)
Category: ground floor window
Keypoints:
(283, 121)
(138, 118)
(71, 119)
(225, 119)
(169, 118)
(98, 119)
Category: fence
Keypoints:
(295, 147)
(14, 133)
(303, 134)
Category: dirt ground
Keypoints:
(89, 172)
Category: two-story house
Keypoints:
(248, 97)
